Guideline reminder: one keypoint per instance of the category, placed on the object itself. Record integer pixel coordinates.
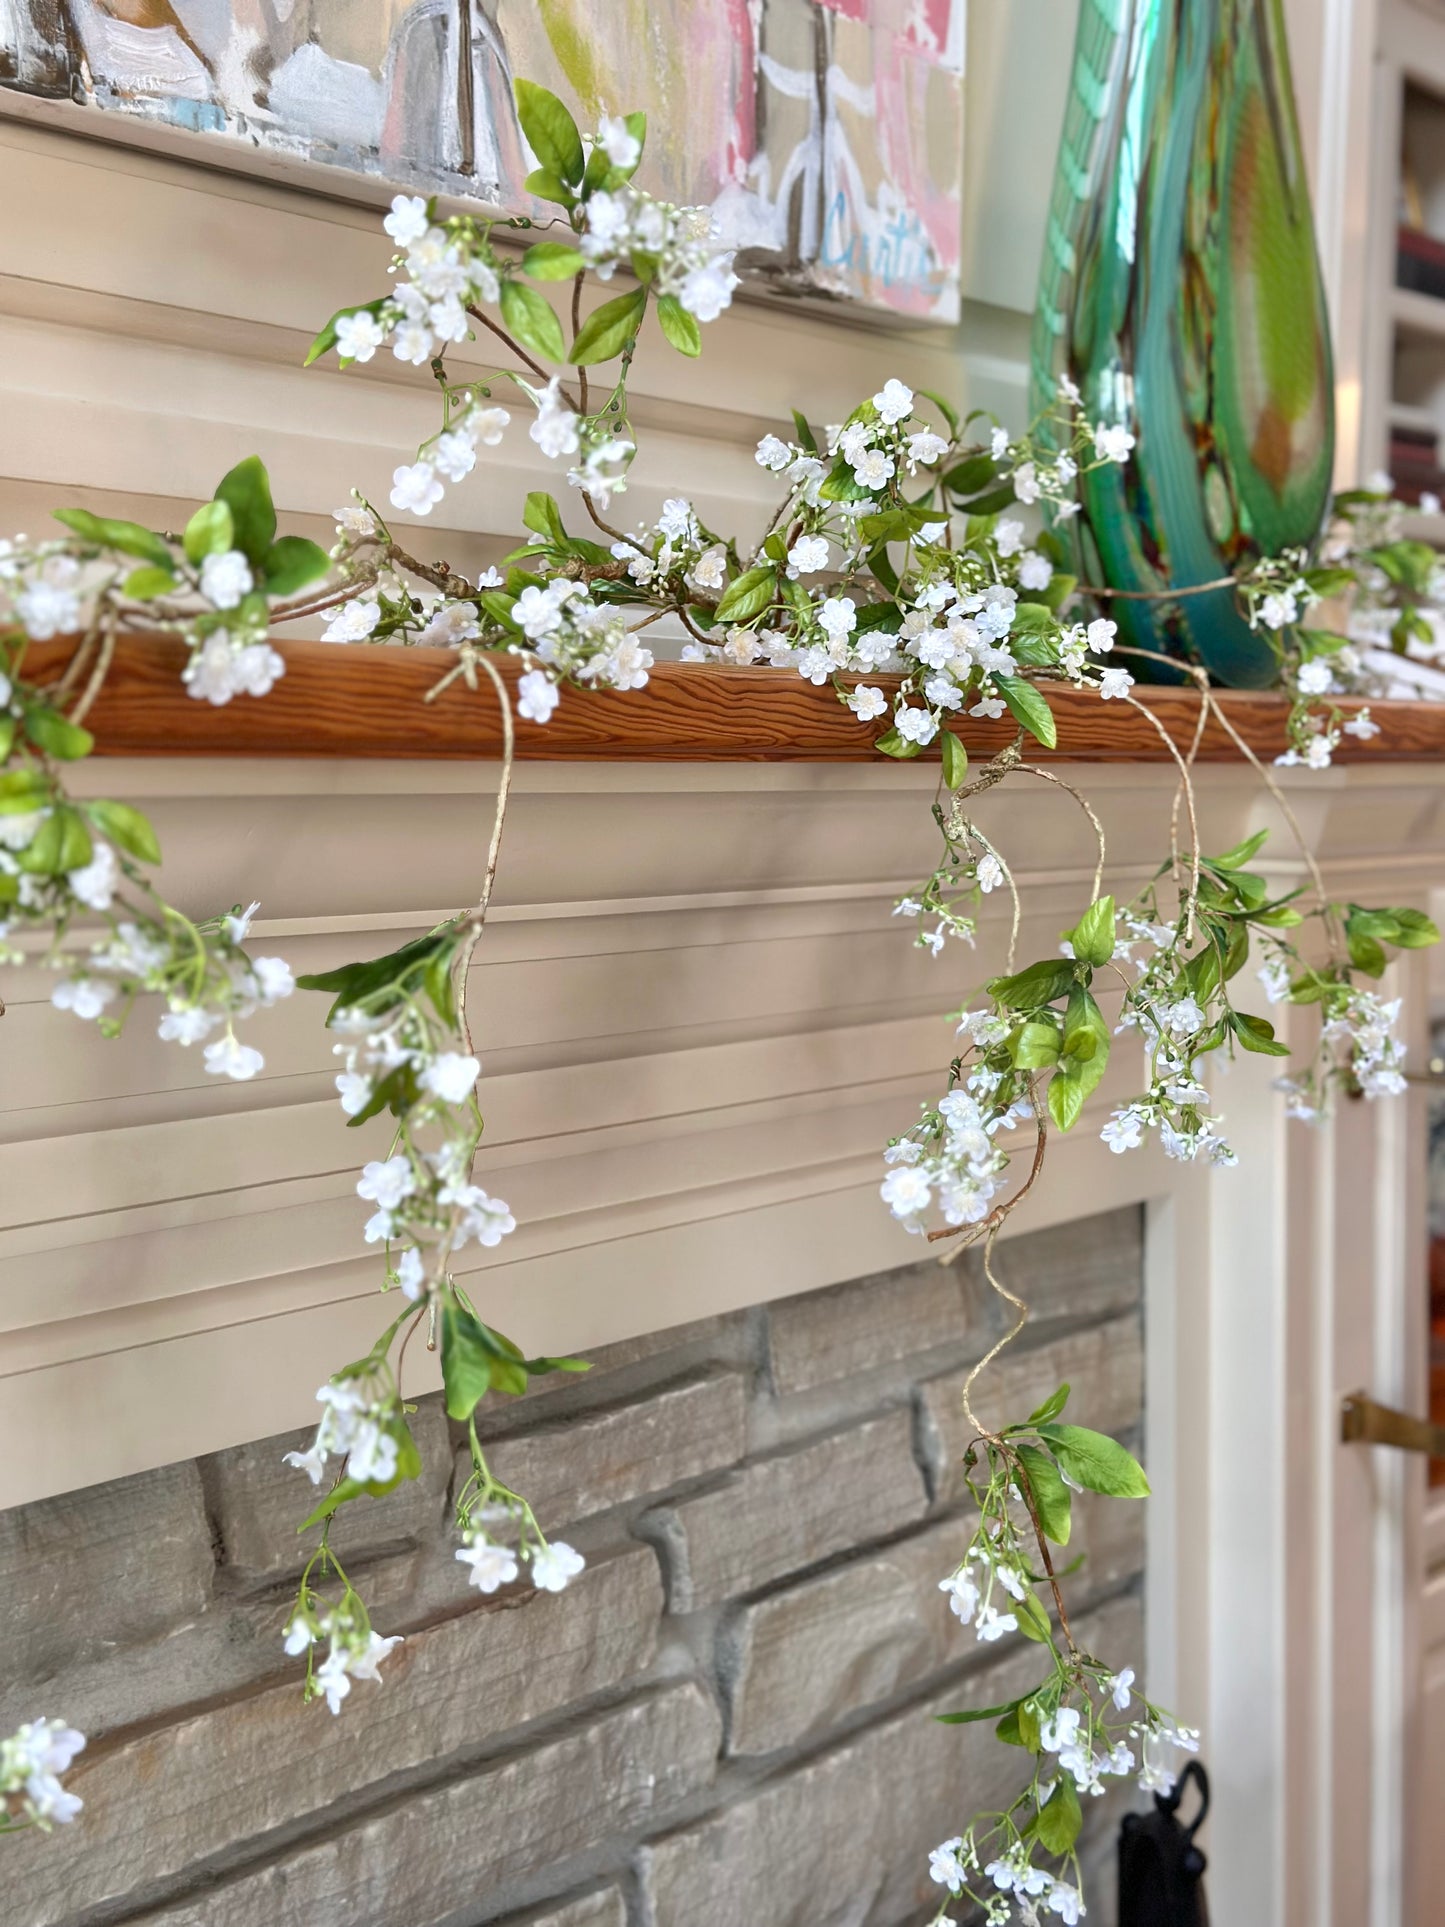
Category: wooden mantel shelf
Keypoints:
(354, 700)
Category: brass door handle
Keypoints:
(1364, 1422)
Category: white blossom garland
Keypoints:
(893, 572)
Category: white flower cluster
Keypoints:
(441, 271)
(951, 1159)
(1359, 1049)
(450, 455)
(361, 1422)
(573, 636)
(552, 1564)
(680, 247)
(31, 1763)
(973, 1604)
(45, 590)
(203, 972)
(51, 592)
(1173, 1025)
(355, 1651)
(425, 1199)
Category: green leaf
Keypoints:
(1050, 1494)
(1256, 1034)
(553, 261)
(1051, 1407)
(538, 1367)
(379, 982)
(541, 514)
(748, 595)
(1037, 1045)
(8, 727)
(61, 843)
(246, 491)
(1057, 1826)
(1093, 936)
(995, 500)
(1094, 1460)
(608, 329)
(1066, 1096)
(1365, 952)
(57, 736)
(126, 828)
(1040, 983)
(437, 976)
(945, 408)
(545, 185)
(971, 475)
(129, 537)
(1029, 708)
(466, 1361)
(972, 1714)
(955, 759)
(806, 438)
(144, 583)
(1416, 931)
(899, 747)
(680, 327)
(290, 563)
(1033, 1624)
(533, 320)
(209, 532)
(550, 131)
(1236, 858)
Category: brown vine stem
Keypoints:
(101, 669)
(1047, 776)
(477, 917)
(1187, 783)
(480, 314)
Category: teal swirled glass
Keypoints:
(1181, 291)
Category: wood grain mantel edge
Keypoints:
(352, 700)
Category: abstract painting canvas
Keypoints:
(826, 134)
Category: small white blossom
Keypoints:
(228, 1057)
(894, 401)
(415, 488)
(537, 696)
(408, 220)
(555, 1566)
(492, 1566)
(451, 1077)
(1112, 444)
(226, 578)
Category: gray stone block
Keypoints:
(833, 1334)
(604, 1908)
(603, 1458)
(802, 1659)
(843, 1840)
(789, 1511)
(1088, 1268)
(101, 1569)
(1104, 1365)
(258, 1501)
(167, 1797)
(420, 1861)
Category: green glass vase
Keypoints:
(1181, 291)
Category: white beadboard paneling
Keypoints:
(699, 1022)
